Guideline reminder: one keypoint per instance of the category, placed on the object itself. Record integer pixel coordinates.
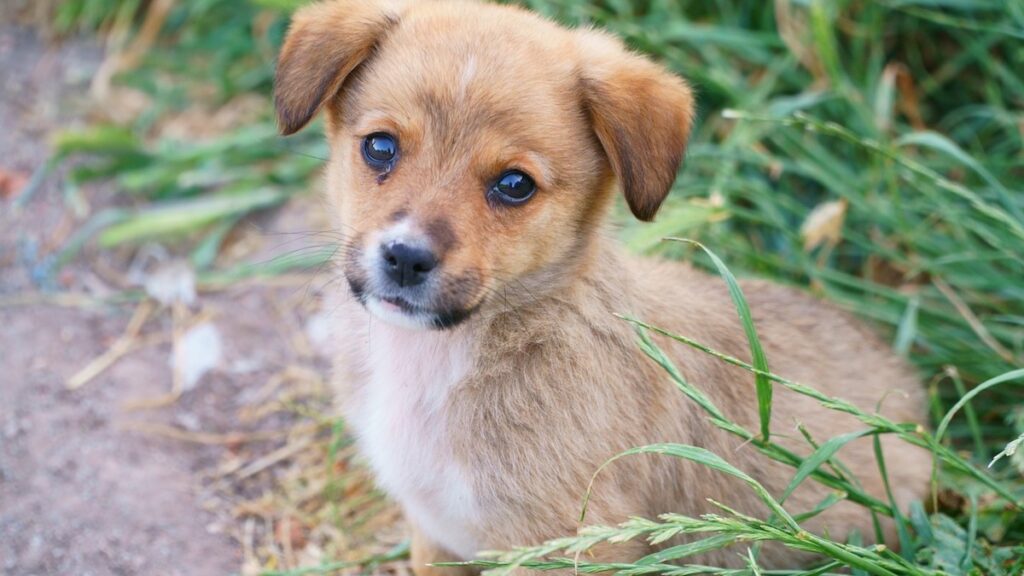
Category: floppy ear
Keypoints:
(325, 42)
(641, 114)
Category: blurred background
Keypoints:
(163, 252)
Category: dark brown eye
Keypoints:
(513, 187)
(380, 150)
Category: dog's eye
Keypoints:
(513, 187)
(380, 150)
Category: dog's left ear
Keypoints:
(325, 43)
(641, 114)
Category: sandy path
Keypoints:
(80, 492)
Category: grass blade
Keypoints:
(819, 457)
(704, 458)
(1007, 377)
(906, 545)
(184, 216)
(912, 434)
(760, 360)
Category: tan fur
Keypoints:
(426, 553)
(550, 383)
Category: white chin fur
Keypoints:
(397, 317)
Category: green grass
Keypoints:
(904, 117)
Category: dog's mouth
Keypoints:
(398, 304)
(399, 311)
(402, 312)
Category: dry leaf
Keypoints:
(11, 183)
(171, 283)
(200, 351)
(290, 533)
(824, 225)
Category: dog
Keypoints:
(476, 150)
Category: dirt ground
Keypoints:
(89, 484)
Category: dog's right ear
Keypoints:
(325, 43)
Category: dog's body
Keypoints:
(470, 179)
(488, 434)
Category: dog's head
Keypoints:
(474, 147)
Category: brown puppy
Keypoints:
(475, 152)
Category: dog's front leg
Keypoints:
(424, 552)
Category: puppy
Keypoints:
(475, 152)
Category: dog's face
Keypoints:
(474, 147)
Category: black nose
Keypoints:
(407, 265)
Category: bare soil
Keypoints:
(89, 485)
